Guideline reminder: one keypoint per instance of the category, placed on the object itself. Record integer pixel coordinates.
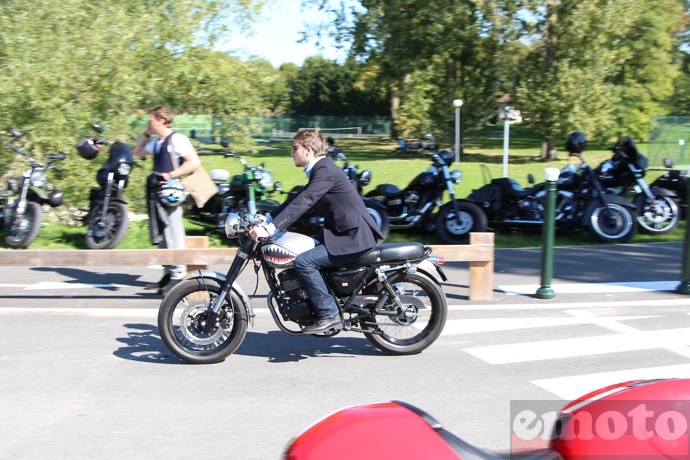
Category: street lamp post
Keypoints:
(457, 104)
(506, 139)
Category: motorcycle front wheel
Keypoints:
(107, 234)
(657, 219)
(615, 226)
(183, 315)
(414, 327)
(23, 228)
(472, 219)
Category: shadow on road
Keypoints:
(93, 277)
(143, 343)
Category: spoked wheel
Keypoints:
(184, 314)
(659, 218)
(415, 326)
(457, 231)
(107, 233)
(615, 225)
(23, 228)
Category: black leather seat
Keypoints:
(393, 251)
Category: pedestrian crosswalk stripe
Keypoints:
(578, 385)
(469, 326)
(581, 346)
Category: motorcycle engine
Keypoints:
(294, 306)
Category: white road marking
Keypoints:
(578, 385)
(581, 346)
(551, 305)
(470, 326)
(593, 288)
(58, 285)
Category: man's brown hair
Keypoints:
(162, 113)
(311, 139)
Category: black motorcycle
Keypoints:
(107, 217)
(414, 206)
(250, 190)
(21, 203)
(657, 210)
(581, 202)
(391, 295)
(676, 181)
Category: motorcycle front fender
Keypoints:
(660, 191)
(617, 199)
(220, 279)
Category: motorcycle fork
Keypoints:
(241, 257)
(106, 198)
(451, 192)
(21, 202)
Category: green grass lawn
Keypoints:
(481, 147)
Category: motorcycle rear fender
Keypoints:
(610, 199)
(660, 191)
(431, 271)
(220, 279)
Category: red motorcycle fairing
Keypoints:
(387, 431)
(636, 419)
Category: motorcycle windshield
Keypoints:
(119, 153)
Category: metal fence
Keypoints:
(670, 138)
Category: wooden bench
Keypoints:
(479, 253)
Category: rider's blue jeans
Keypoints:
(307, 266)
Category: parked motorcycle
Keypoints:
(252, 189)
(657, 210)
(676, 181)
(414, 206)
(428, 142)
(636, 419)
(21, 203)
(581, 202)
(391, 295)
(107, 217)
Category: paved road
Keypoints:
(83, 372)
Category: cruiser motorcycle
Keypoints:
(414, 206)
(392, 295)
(639, 419)
(581, 202)
(21, 203)
(623, 174)
(252, 190)
(107, 217)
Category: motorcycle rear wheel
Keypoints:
(619, 227)
(472, 219)
(114, 229)
(181, 319)
(657, 220)
(23, 229)
(413, 330)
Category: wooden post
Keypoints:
(481, 280)
(196, 242)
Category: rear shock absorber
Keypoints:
(392, 294)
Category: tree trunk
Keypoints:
(548, 149)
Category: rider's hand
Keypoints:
(258, 232)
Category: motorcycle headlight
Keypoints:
(265, 178)
(232, 225)
(456, 176)
(124, 169)
(365, 177)
(38, 178)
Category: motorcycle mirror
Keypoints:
(17, 134)
(668, 163)
(98, 128)
(530, 178)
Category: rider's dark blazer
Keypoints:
(348, 226)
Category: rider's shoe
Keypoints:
(159, 284)
(169, 285)
(324, 324)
